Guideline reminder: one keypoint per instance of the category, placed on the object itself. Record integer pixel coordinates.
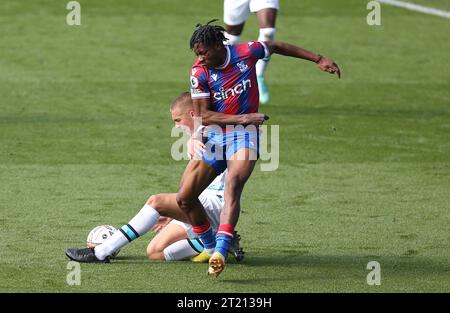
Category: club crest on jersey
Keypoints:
(194, 82)
(223, 94)
(242, 66)
(214, 77)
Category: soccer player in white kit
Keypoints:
(235, 14)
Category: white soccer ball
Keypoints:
(99, 235)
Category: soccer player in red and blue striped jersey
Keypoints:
(224, 91)
(231, 86)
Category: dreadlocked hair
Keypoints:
(208, 34)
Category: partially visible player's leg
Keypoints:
(183, 249)
(197, 176)
(174, 241)
(170, 234)
(267, 31)
(141, 223)
(240, 167)
(233, 33)
(235, 13)
(266, 18)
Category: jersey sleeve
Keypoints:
(199, 83)
(258, 49)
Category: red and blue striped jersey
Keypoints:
(233, 87)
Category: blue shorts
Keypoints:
(221, 146)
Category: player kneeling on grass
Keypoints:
(172, 242)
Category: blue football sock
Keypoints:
(223, 244)
(208, 239)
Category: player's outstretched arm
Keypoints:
(325, 64)
(210, 117)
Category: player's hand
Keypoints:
(328, 65)
(161, 223)
(195, 149)
(255, 118)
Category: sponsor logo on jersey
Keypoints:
(223, 94)
(194, 70)
(214, 76)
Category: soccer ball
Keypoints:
(99, 234)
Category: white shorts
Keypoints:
(235, 12)
(213, 205)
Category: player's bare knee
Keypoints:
(155, 202)
(153, 252)
(150, 251)
(151, 200)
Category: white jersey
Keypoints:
(212, 199)
(217, 187)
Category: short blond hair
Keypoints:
(183, 101)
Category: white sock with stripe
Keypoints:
(265, 34)
(140, 224)
(182, 249)
(232, 39)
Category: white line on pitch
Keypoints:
(416, 7)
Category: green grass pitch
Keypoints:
(364, 171)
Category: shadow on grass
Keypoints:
(125, 258)
(140, 259)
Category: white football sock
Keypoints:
(261, 66)
(265, 34)
(144, 220)
(111, 245)
(232, 39)
(179, 250)
(140, 224)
